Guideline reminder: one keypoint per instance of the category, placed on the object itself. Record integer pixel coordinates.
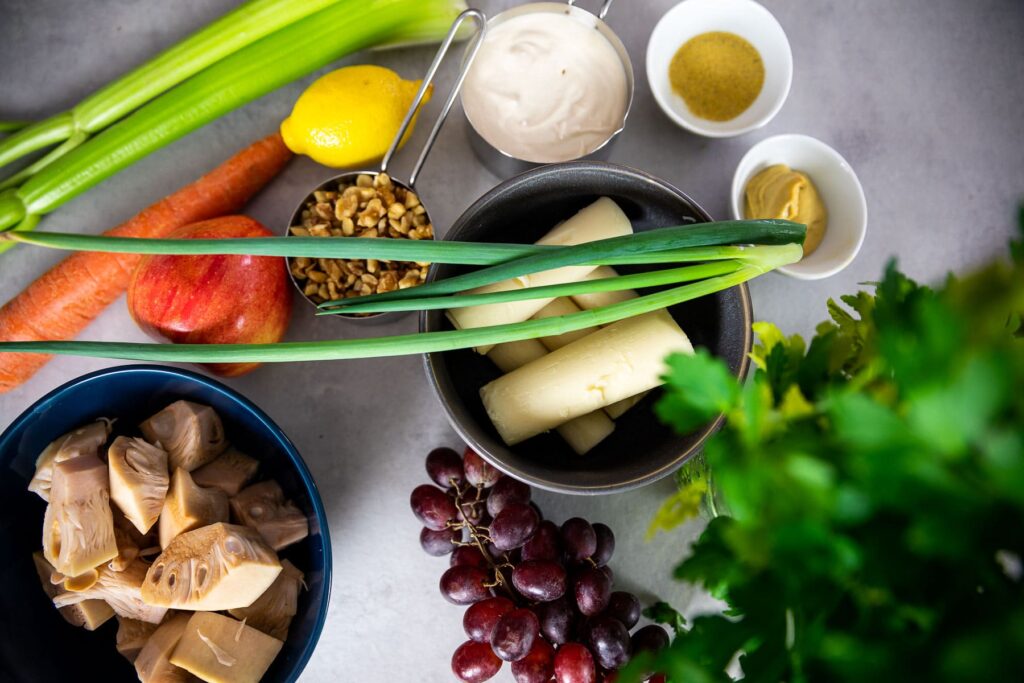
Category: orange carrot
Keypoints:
(64, 300)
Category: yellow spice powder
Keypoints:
(718, 75)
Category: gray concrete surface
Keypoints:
(923, 97)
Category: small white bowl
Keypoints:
(746, 19)
(839, 189)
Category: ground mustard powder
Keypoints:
(718, 75)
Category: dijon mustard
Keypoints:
(783, 193)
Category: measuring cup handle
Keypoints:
(481, 22)
(604, 8)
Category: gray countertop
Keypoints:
(923, 97)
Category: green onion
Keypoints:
(236, 29)
(13, 126)
(422, 251)
(255, 70)
(656, 278)
(690, 242)
(467, 253)
(408, 344)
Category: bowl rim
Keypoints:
(829, 152)
(431, 361)
(40, 405)
(694, 127)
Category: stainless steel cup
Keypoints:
(504, 164)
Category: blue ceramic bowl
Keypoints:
(36, 644)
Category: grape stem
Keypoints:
(479, 535)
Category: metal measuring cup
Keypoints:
(505, 164)
(349, 177)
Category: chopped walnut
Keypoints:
(373, 207)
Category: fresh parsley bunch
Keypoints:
(873, 484)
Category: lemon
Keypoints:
(350, 116)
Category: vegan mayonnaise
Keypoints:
(546, 88)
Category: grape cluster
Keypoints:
(537, 595)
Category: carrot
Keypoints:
(64, 300)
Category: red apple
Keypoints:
(213, 299)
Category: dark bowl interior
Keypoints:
(36, 644)
(641, 449)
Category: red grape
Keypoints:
(432, 506)
(539, 580)
(507, 490)
(441, 542)
(657, 678)
(475, 662)
(557, 619)
(544, 544)
(536, 667)
(578, 539)
(478, 472)
(609, 641)
(605, 545)
(464, 585)
(468, 555)
(515, 634)
(625, 607)
(574, 664)
(513, 526)
(444, 466)
(481, 618)
(592, 590)
(650, 639)
(608, 573)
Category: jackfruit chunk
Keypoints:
(122, 591)
(229, 472)
(273, 611)
(153, 663)
(82, 582)
(219, 649)
(128, 541)
(78, 526)
(138, 480)
(189, 507)
(90, 614)
(132, 636)
(82, 441)
(263, 507)
(215, 567)
(192, 434)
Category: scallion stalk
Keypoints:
(236, 29)
(625, 252)
(13, 126)
(655, 278)
(259, 68)
(690, 242)
(432, 342)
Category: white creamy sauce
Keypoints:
(545, 88)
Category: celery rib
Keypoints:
(224, 36)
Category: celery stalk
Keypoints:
(236, 29)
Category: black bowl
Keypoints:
(36, 644)
(641, 449)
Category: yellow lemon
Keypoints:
(350, 116)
